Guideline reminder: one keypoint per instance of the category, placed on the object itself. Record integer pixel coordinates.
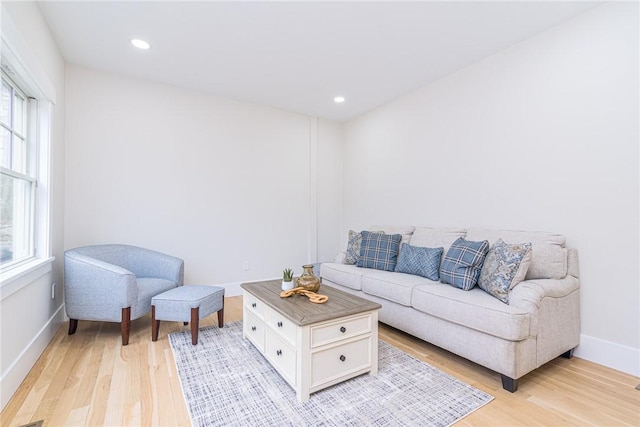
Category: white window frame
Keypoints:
(20, 64)
(24, 215)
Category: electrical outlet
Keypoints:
(246, 266)
(53, 291)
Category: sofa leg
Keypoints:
(568, 354)
(509, 384)
(73, 325)
(125, 325)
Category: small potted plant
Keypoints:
(287, 279)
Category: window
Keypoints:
(17, 174)
(27, 99)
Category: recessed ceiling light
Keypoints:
(338, 99)
(140, 44)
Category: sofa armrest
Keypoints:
(340, 258)
(573, 268)
(530, 293)
(91, 284)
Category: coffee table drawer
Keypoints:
(253, 329)
(340, 330)
(340, 361)
(281, 355)
(282, 326)
(254, 305)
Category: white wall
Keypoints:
(330, 154)
(30, 317)
(541, 136)
(213, 181)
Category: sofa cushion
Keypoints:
(436, 237)
(548, 251)
(504, 267)
(474, 309)
(396, 287)
(346, 275)
(405, 230)
(379, 251)
(419, 261)
(462, 264)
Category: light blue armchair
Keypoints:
(115, 283)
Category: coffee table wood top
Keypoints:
(301, 311)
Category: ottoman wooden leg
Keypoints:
(221, 317)
(195, 320)
(155, 324)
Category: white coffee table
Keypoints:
(312, 346)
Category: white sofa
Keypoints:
(540, 323)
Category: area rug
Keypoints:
(227, 382)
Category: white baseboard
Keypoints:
(609, 354)
(17, 372)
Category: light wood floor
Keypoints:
(90, 379)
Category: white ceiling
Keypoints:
(297, 55)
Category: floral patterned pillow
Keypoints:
(504, 267)
(353, 247)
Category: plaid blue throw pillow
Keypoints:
(462, 264)
(419, 261)
(379, 251)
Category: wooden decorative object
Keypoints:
(313, 297)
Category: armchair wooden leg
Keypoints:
(125, 325)
(73, 325)
(195, 320)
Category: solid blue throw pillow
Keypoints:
(379, 251)
(419, 261)
(462, 264)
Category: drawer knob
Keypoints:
(279, 324)
(253, 304)
(342, 358)
(343, 329)
(279, 352)
(253, 328)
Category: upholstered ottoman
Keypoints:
(187, 303)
